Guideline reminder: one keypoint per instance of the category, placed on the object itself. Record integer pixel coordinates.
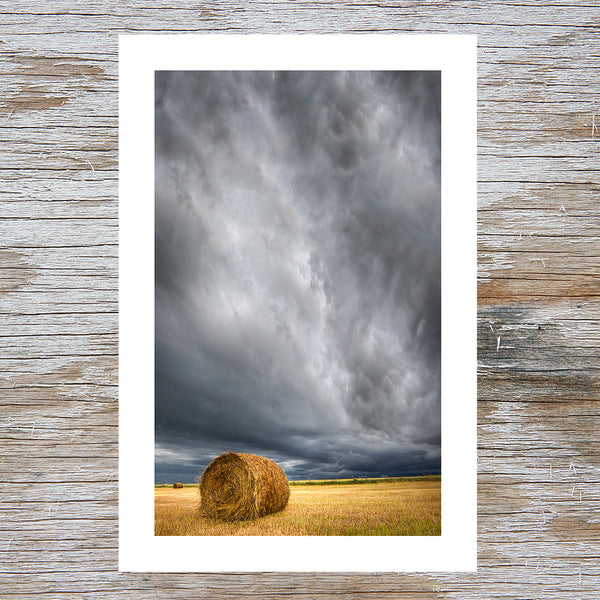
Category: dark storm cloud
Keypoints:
(298, 271)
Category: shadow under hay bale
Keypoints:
(178, 485)
(238, 487)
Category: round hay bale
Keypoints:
(238, 487)
(178, 485)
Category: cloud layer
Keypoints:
(298, 271)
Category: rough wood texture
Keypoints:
(539, 288)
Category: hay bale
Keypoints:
(238, 487)
(178, 485)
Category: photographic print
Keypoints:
(297, 330)
(298, 302)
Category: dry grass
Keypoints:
(238, 486)
(396, 508)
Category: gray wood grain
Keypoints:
(538, 287)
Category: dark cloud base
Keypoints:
(297, 271)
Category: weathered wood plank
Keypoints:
(539, 260)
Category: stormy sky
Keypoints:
(297, 257)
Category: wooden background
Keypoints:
(538, 287)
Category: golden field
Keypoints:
(411, 507)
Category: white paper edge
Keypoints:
(139, 550)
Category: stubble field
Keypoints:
(411, 507)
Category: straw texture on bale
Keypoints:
(178, 485)
(238, 487)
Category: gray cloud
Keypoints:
(298, 271)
